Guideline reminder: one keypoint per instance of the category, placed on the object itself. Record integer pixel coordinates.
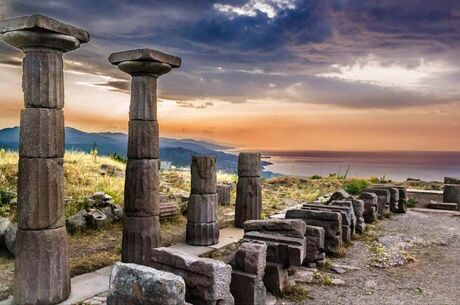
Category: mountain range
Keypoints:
(177, 151)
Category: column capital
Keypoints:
(144, 62)
(38, 32)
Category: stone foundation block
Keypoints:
(40, 194)
(202, 234)
(136, 284)
(42, 273)
(383, 206)
(329, 220)
(204, 178)
(41, 133)
(207, 281)
(202, 208)
(249, 164)
(248, 200)
(250, 258)
(143, 140)
(142, 188)
(346, 212)
(247, 289)
(223, 192)
(315, 243)
(286, 250)
(140, 236)
(275, 278)
(294, 227)
(451, 180)
(370, 206)
(451, 193)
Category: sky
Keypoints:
(265, 74)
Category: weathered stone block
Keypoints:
(403, 198)
(442, 205)
(202, 234)
(383, 207)
(42, 273)
(43, 80)
(41, 133)
(287, 250)
(247, 289)
(451, 180)
(223, 192)
(145, 55)
(329, 220)
(203, 172)
(276, 277)
(394, 195)
(142, 188)
(143, 140)
(250, 258)
(370, 206)
(339, 195)
(358, 208)
(248, 200)
(249, 164)
(143, 104)
(451, 193)
(41, 193)
(315, 243)
(207, 281)
(202, 208)
(140, 236)
(295, 227)
(141, 285)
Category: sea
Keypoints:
(394, 165)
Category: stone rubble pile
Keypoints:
(202, 219)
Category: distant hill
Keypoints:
(178, 152)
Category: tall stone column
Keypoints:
(42, 272)
(202, 225)
(248, 189)
(141, 225)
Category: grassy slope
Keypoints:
(94, 249)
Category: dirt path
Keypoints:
(427, 246)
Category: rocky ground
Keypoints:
(411, 258)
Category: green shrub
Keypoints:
(411, 203)
(356, 186)
(316, 177)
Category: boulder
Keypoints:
(10, 238)
(315, 244)
(5, 223)
(140, 285)
(77, 222)
(339, 195)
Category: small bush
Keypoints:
(356, 186)
(411, 203)
(316, 177)
(294, 293)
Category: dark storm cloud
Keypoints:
(286, 50)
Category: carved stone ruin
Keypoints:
(248, 189)
(384, 197)
(207, 281)
(358, 208)
(286, 246)
(141, 226)
(137, 284)
(330, 221)
(345, 212)
(223, 192)
(248, 264)
(315, 253)
(394, 196)
(452, 194)
(202, 226)
(42, 274)
(370, 206)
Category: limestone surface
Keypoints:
(202, 208)
(224, 191)
(315, 243)
(140, 285)
(42, 272)
(249, 164)
(202, 234)
(143, 106)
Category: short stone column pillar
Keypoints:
(451, 194)
(248, 189)
(42, 272)
(141, 224)
(224, 193)
(202, 225)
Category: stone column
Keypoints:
(141, 224)
(42, 272)
(202, 226)
(248, 189)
